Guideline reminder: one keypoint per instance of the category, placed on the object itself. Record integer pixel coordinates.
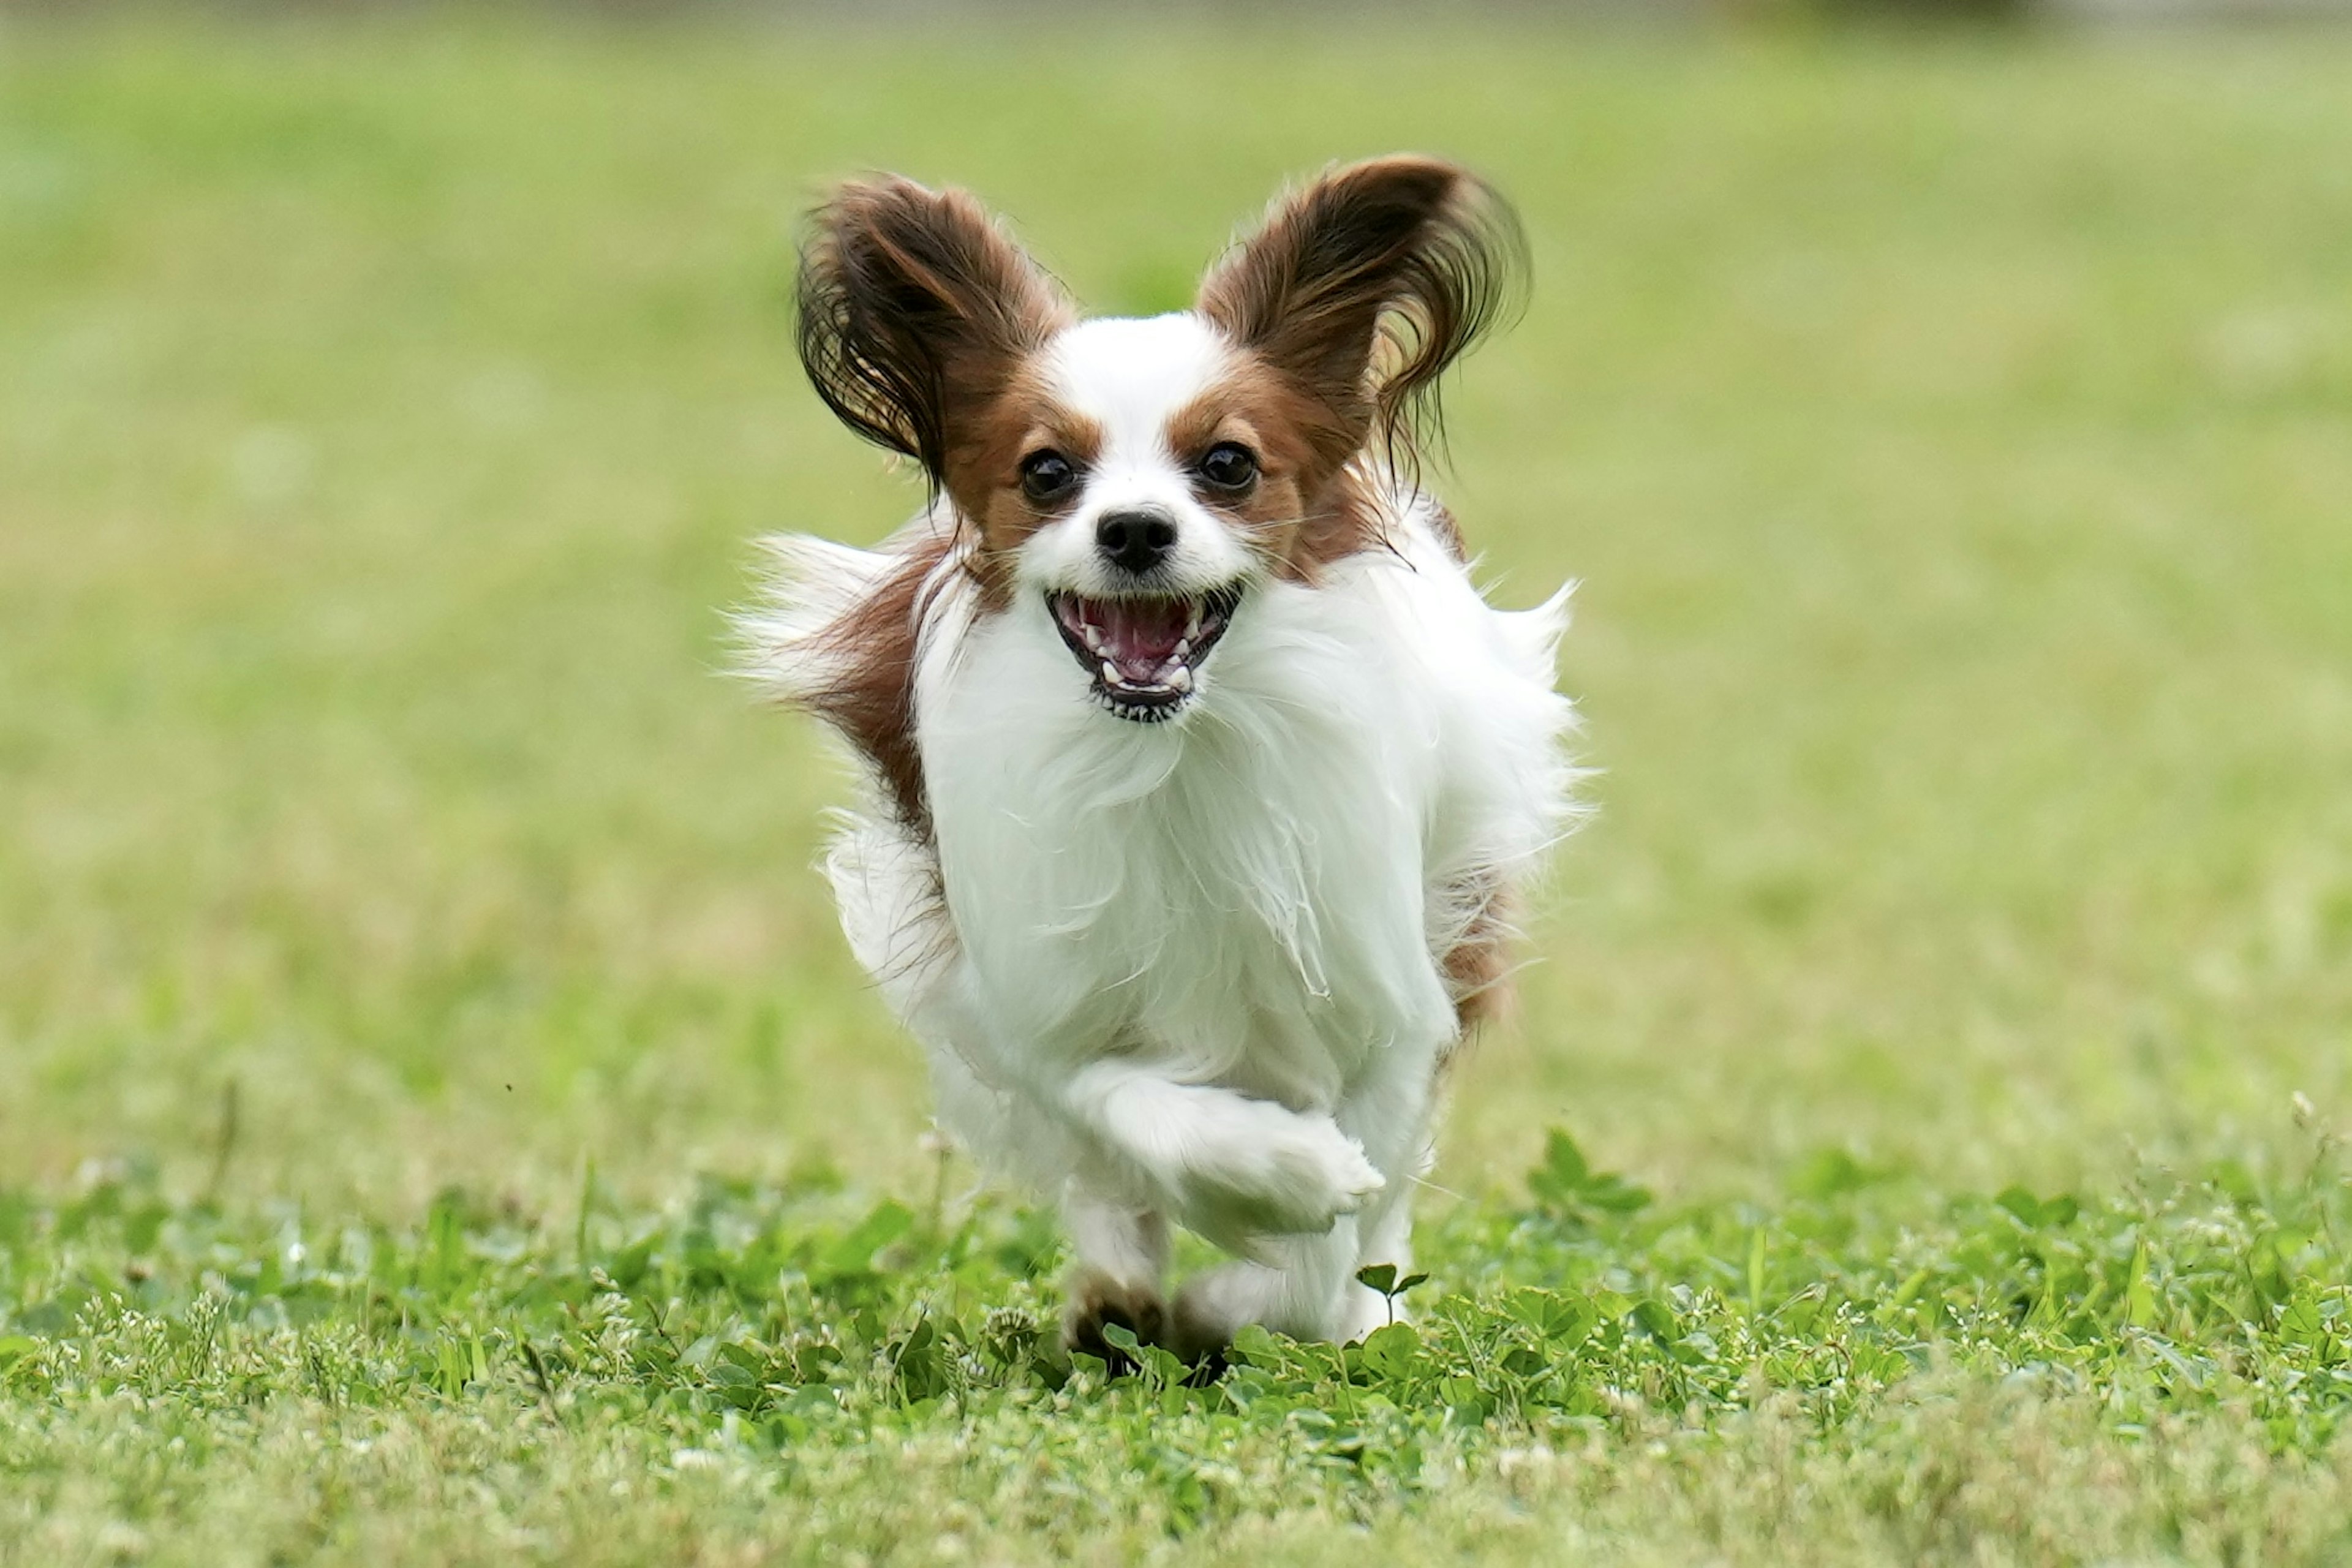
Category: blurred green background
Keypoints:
(1950, 432)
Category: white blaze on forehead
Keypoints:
(1131, 374)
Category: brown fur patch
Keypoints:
(1345, 523)
(1478, 966)
(870, 698)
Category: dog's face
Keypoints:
(1130, 481)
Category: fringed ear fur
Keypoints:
(1364, 286)
(913, 306)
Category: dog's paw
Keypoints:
(1289, 1174)
(1324, 1174)
(1098, 1301)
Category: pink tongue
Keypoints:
(1140, 635)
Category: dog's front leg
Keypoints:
(1118, 1275)
(1223, 1163)
(1303, 1286)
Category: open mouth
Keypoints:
(1144, 650)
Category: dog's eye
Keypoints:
(1047, 477)
(1229, 466)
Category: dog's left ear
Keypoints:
(1364, 286)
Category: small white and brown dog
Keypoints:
(1200, 776)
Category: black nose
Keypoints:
(1137, 541)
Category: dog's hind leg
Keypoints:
(1117, 1275)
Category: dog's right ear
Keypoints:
(913, 307)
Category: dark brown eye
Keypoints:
(1229, 466)
(1047, 477)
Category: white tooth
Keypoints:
(1179, 680)
(1192, 626)
(1183, 649)
(1110, 673)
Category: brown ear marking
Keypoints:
(1405, 261)
(914, 306)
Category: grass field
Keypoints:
(438, 1121)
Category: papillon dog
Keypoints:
(1200, 779)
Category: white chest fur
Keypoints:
(1249, 897)
(1238, 895)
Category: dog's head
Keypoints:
(1132, 479)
